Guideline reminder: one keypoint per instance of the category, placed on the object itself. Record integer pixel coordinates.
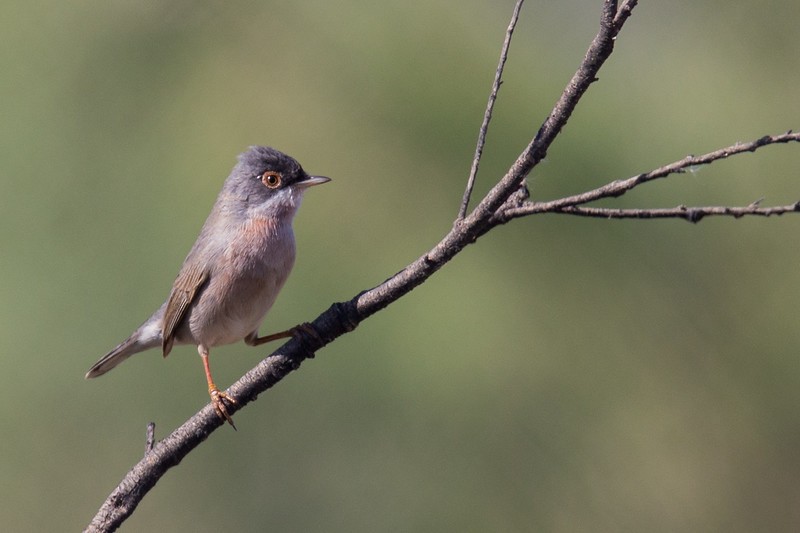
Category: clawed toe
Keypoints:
(218, 399)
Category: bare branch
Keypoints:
(690, 214)
(487, 116)
(624, 12)
(600, 49)
(343, 317)
(150, 437)
(166, 453)
(619, 187)
(506, 200)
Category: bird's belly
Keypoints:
(229, 310)
(235, 299)
(247, 305)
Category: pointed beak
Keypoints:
(310, 181)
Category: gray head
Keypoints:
(266, 182)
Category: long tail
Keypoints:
(142, 339)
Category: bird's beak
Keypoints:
(310, 181)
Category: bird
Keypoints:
(233, 272)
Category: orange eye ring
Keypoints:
(272, 180)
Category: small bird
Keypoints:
(234, 271)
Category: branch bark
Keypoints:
(690, 214)
(614, 189)
(507, 200)
(487, 116)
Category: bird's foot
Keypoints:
(218, 399)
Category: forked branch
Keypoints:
(507, 200)
(487, 116)
(569, 205)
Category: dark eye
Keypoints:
(271, 179)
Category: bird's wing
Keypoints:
(184, 290)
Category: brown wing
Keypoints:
(183, 293)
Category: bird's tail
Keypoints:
(139, 341)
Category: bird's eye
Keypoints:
(271, 179)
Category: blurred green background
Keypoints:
(560, 375)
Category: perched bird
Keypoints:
(235, 269)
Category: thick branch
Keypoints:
(343, 317)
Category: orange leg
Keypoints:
(254, 340)
(218, 397)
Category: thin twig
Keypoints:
(487, 116)
(624, 12)
(150, 437)
(600, 49)
(691, 214)
(619, 187)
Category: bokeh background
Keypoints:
(560, 375)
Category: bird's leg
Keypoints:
(218, 397)
(254, 340)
